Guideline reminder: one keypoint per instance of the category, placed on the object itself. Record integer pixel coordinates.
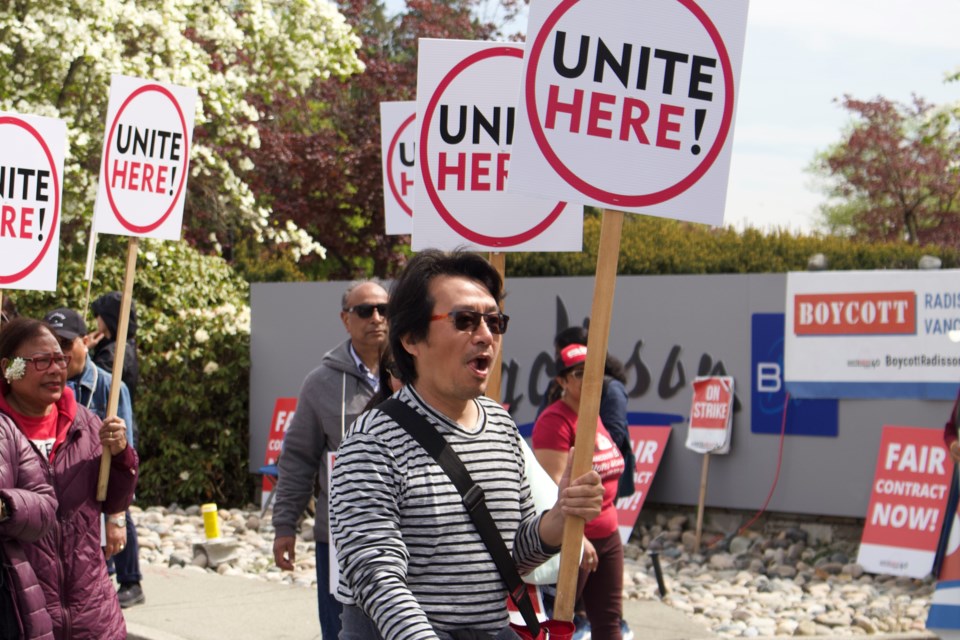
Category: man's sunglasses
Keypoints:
(365, 311)
(470, 320)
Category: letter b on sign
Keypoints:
(768, 377)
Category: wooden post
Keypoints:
(121, 337)
(600, 316)
(703, 499)
(498, 260)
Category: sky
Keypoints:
(799, 59)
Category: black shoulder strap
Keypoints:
(472, 495)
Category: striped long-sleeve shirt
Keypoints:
(410, 557)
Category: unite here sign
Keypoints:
(466, 105)
(398, 147)
(908, 502)
(630, 105)
(32, 150)
(146, 158)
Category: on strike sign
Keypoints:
(630, 105)
(466, 104)
(908, 500)
(398, 142)
(31, 182)
(711, 414)
(146, 157)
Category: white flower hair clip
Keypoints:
(15, 370)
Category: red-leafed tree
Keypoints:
(319, 160)
(896, 173)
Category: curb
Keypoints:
(141, 632)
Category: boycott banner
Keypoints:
(711, 415)
(907, 503)
(398, 141)
(146, 157)
(32, 150)
(283, 412)
(466, 104)
(630, 105)
(872, 334)
(648, 445)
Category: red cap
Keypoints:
(570, 356)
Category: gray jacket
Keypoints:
(331, 397)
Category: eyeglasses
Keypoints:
(42, 363)
(365, 311)
(576, 373)
(470, 320)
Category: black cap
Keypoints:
(66, 323)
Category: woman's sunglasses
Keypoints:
(365, 311)
(470, 320)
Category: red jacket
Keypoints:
(32, 513)
(950, 428)
(68, 560)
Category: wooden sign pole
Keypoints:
(600, 315)
(703, 500)
(121, 337)
(498, 260)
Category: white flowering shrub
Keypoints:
(57, 57)
(193, 341)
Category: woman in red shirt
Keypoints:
(600, 584)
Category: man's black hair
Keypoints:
(411, 304)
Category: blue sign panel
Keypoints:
(804, 417)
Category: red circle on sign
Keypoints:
(183, 173)
(56, 198)
(393, 145)
(584, 187)
(479, 238)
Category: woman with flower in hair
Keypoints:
(67, 441)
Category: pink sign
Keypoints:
(908, 501)
(648, 446)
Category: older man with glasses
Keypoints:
(331, 397)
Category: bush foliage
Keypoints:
(194, 328)
(655, 246)
(193, 341)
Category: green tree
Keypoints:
(319, 163)
(895, 174)
(57, 57)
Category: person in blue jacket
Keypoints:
(91, 387)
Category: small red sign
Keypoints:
(282, 415)
(712, 399)
(909, 491)
(852, 314)
(648, 445)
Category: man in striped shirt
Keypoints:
(413, 566)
